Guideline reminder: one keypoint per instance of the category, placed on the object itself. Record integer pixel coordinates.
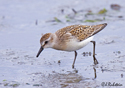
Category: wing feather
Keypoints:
(81, 32)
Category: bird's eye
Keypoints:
(46, 42)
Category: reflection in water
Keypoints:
(95, 63)
(69, 79)
(72, 79)
(94, 73)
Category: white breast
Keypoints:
(74, 44)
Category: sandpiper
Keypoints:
(71, 38)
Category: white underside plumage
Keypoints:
(74, 44)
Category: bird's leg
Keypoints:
(95, 60)
(93, 47)
(74, 59)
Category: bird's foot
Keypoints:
(95, 60)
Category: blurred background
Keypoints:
(22, 23)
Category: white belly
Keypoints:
(75, 45)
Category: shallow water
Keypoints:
(23, 22)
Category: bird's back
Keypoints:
(81, 32)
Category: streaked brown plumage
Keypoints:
(70, 38)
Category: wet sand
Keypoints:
(21, 26)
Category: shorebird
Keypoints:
(71, 38)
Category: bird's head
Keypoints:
(46, 42)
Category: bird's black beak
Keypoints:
(40, 50)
